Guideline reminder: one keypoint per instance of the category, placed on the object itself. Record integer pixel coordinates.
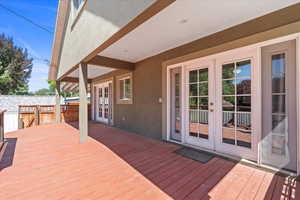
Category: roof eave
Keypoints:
(60, 26)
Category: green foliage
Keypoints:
(52, 85)
(15, 67)
(47, 91)
(52, 88)
(43, 91)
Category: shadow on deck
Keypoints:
(7, 153)
(183, 178)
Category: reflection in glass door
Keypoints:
(236, 103)
(198, 95)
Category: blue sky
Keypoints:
(37, 41)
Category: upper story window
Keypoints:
(77, 4)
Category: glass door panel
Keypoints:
(200, 99)
(236, 103)
(100, 103)
(176, 104)
(279, 141)
(198, 95)
(106, 103)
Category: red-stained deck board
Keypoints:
(48, 162)
(197, 180)
(202, 190)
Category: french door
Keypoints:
(237, 109)
(200, 100)
(219, 98)
(104, 102)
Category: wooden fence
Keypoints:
(35, 115)
(2, 127)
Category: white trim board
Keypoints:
(105, 83)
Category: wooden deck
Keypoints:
(48, 162)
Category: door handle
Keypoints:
(211, 110)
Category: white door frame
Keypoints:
(97, 86)
(257, 48)
(201, 64)
(235, 150)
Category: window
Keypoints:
(124, 89)
(77, 4)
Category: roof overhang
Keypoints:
(167, 24)
(152, 10)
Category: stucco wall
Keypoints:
(97, 22)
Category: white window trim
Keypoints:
(121, 100)
(124, 89)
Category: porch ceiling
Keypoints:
(185, 21)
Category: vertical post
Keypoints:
(83, 106)
(57, 103)
(92, 102)
(36, 116)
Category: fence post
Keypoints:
(36, 116)
(57, 103)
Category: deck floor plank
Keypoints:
(48, 162)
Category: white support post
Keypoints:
(57, 103)
(83, 107)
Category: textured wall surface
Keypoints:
(11, 102)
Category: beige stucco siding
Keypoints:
(96, 23)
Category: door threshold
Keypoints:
(250, 163)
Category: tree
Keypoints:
(15, 67)
(43, 91)
(52, 85)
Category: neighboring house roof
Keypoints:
(75, 99)
(58, 37)
(12, 102)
